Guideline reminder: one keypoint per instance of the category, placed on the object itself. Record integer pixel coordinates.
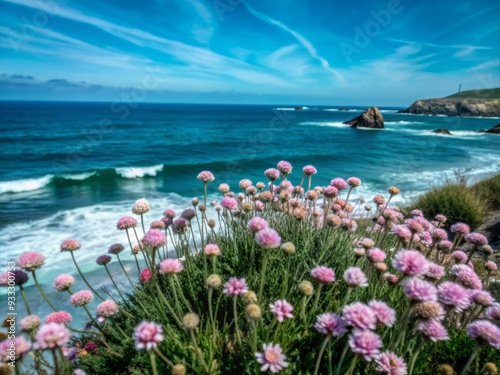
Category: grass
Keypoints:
(488, 94)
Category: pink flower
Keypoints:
(212, 249)
(414, 225)
(272, 358)
(168, 213)
(29, 323)
(435, 272)
(460, 228)
(309, 170)
(466, 276)
(205, 176)
(355, 277)
(145, 275)
(445, 245)
(141, 206)
(402, 232)
(22, 347)
(52, 335)
(268, 238)
(147, 335)
(81, 298)
(323, 274)
(378, 199)
(272, 174)
(419, 290)
(476, 239)
(107, 309)
(353, 181)
(339, 183)
(410, 262)
(385, 315)
(441, 218)
(61, 317)
(154, 238)
(453, 295)
(235, 287)
(103, 259)
(331, 324)
(376, 255)
(259, 206)
(484, 332)
(365, 343)
(229, 203)
(70, 245)
(188, 214)
(359, 315)
(490, 266)
(282, 309)
(256, 224)
(284, 167)
(63, 282)
(157, 224)
(245, 183)
(116, 248)
(30, 261)
(493, 312)
(439, 235)
(433, 330)
(171, 266)
(459, 256)
(417, 213)
(482, 297)
(126, 222)
(391, 278)
(331, 192)
(389, 363)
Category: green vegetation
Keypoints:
(483, 94)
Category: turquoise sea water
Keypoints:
(72, 169)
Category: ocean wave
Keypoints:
(78, 176)
(291, 108)
(402, 122)
(316, 123)
(139, 172)
(28, 184)
(342, 110)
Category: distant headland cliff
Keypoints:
(485, 103)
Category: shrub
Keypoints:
(489, 191)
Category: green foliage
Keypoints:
(489, 191)
(477, 94)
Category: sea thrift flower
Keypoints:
(154, 238)
(306, 288)
(205, 177)
(433, 330)
(268, 238)
(256, 224)
(272, 174)
(355, 277)
(389, 363)
(359, 315)
(476, 239)
(309, 170)
(482, 297)
(378, 199)
(466, 276)
(145, 275)
(439, 234)
(414, 225)
(70, 245)
(126, 222)
(493, 312)
(331, 324)
(281, 309)
(61, 317)
(429, 310)
(116, 248)
(147, 335)
(365, 343)
(284, 167)
(141, 206)
(212, 249)
(188, 214)
(417, 213)
(272, 358)
(376, 255)
(331, 192)
(30, 261)
(354, 181)
(441, 218)
(253, 312)
(169, 213)
(419, 290)
(367, 243)
(103, 259)
(235, 287)
(21, 345)
(402, 232)
(171, 266)
(460, 228)
(63, 282)
(323, 275)
(339, 183)
(410, 262)
(459, 256)
(453, 295)
(107, 309)
(435, 272)
(30, 323)
(391, 278)
(190, 321)
(52, 335)
(245, 183)
(490, 266)
(81, 298)
(393, 190)
(158, 224)
(385, 315)
(229, 203)
(484, 332)
(445, 245)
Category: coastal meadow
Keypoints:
(272, 277)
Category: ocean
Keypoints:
(71, 170)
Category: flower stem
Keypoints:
(353, 365)
(236, 327)
(321, 351)
(42, 292)
(414, 356)
(113, 281)
(198, 351)
(152, 357)
(125, 272)
(164, 359)
(83, 277)
(263, 274)
(28, 310)
(56, 363)
(469, 362)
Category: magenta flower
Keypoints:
(435, 272)
(439, 235)
(417, 213)
(339, 183)
(229, 203)
(459, 256)
(103, 259)
(21, 345)
(188, 214)
(331, 324)
(212, 249)
(376, 255)
(268, 238)
(460, 228)
(355, 277)
(70, 245)
(107, 309)
(126, 222)
(323, 275)
(30, 261)
(389, 363)
(410, 262)
(157, 224)
(466, 276)
(433, 330)
(180, 225)
(272, 174)
(63, 282)
(484, 332)
(309, 170)
(453, 295)
(490, 266)
(419, 290)
(154, 238)
(284, 167)
(272, 358)
(359, 315)
(235, 286)
(256, 224)
(29, 323)
(81, 298)
(171, 266)
(61, 317)
(141, 206)
(476, 239)
(445, 245)
(482, 297)
(147, 335)
(366, 343)
(52, 335)
(330, 192)
(402, 232)
(414, 225)
(493, 312)
(385, 314)
(169, 213)
(145, 275)
(205, 177)
(281, 309)
(116, 248)
(354, 182)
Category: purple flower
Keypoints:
(103, 259)
(355, 277)
(484, 332)
(235, 287)
(433, 330)
(126, 222)
(309, 170)
(22, 347)
(459, 256)
(52, 335)
(272, 174)
(482, 297)
(417, 213)
(385, 315)
(376, 255)
(147, 335)
(180, 225)
(61, 317)
(272, 358)
(154, 238)
(460, 228)
(466, 276)
(331, 192)
(29, 323)
(331, 324)
(205, 177)
(410, 262)
(439, 235)
(20, 277)
(268, 238)
(339, 183)
(284, 167)
(493, 312)
(435, 272)
(169, 213)
(256, 224)
(171, 266)
(365, 343)
(453, 295)
(63, 282)
(212, 249)
(70, 245)
(116, 248)
(188, 214)
(359, 315)
(445, 245)
(81, 298)
(281, 309)
(389, 363)
(402, 232)
(323, 274)
(107, 309)
(476, 239)
(419, 290)
(30, 261)
(229, 203)
(159, 224)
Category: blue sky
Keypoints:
(255, 51)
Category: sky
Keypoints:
(386, 53)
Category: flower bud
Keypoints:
(214, 281)
(253, 312)
(306, 288)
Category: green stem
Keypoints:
(198, 351)
(321, 351)
(414, 356)
(174, 291)
(28, 310)
(125, 272)
(56, 363)
(42, 292)
(236, 327)
(113, 281)
(471, 358)
(152, 357)
(164, 359)
(263, 274)
(316, 299)
(353, 365)
(142, 223)
(342, 356)
(83, 277)
(210, 311)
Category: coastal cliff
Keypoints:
(484, 103)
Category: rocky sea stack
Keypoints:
(371, 118)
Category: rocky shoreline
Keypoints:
(455, 107)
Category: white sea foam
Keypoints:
(325, 123)
(29, 184)
(291, 108)
(78, 176)
(402, 122)
(137, 172)
(342, 110)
